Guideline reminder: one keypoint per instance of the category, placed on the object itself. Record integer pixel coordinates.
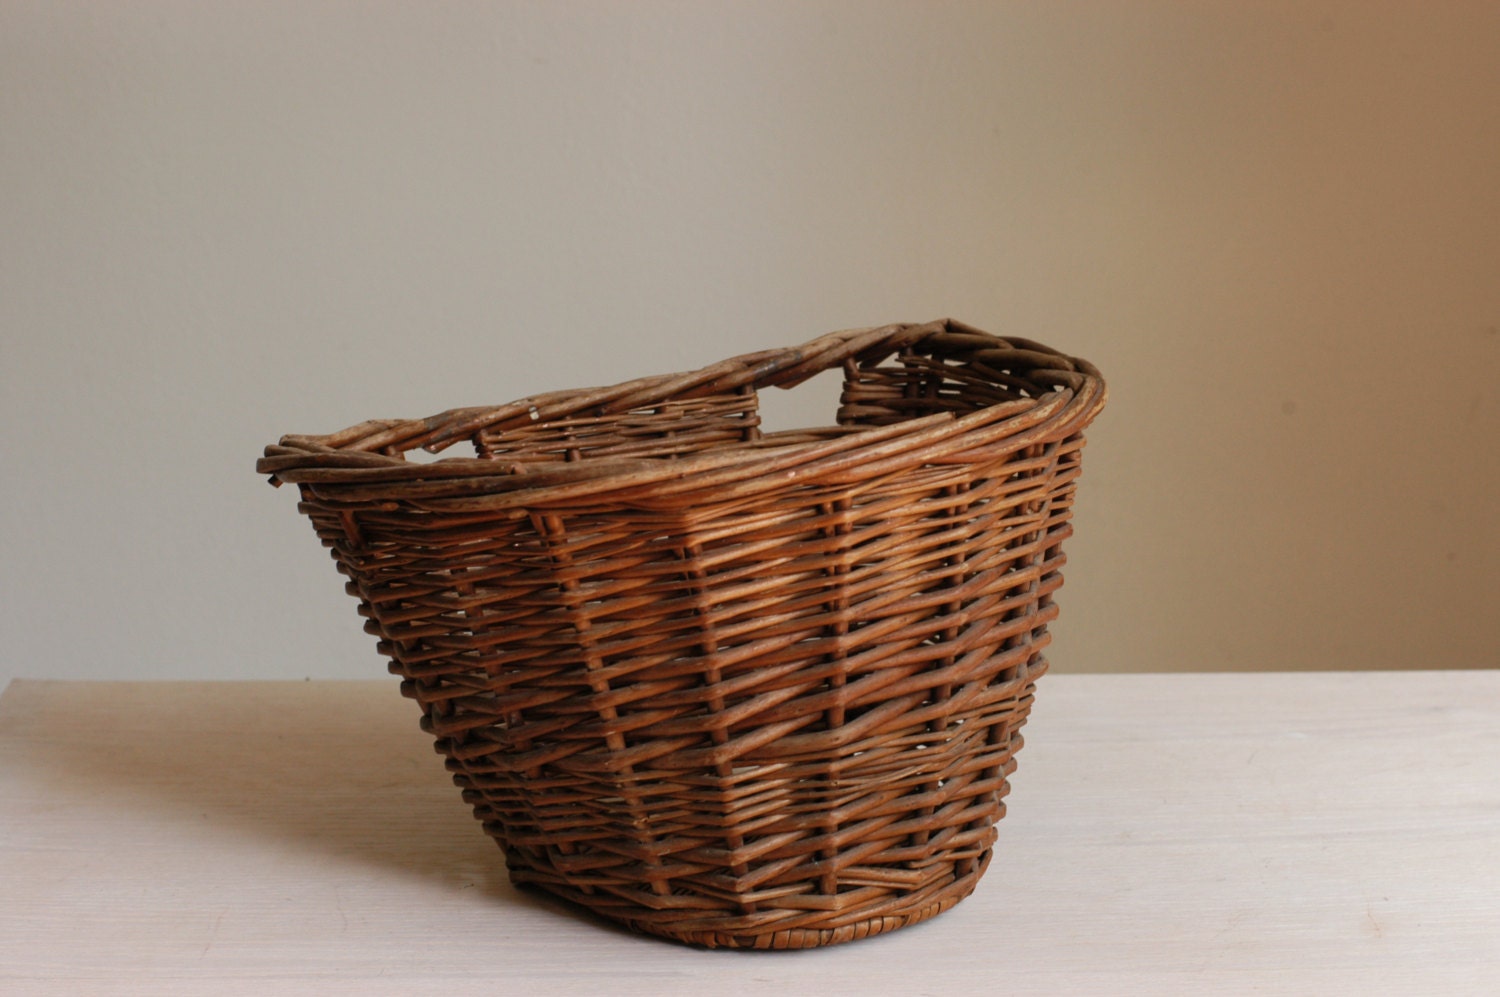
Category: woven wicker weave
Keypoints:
(730, 688)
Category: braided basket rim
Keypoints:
(366, 461)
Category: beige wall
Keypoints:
(1275, 227)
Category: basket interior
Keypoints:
(878, 392)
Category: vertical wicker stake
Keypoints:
(725, 687)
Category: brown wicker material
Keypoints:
(730, 688)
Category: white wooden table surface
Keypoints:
(1332, 833)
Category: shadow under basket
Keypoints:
(727, 687)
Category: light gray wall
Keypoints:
(1275, 226)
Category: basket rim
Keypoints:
(366, 462)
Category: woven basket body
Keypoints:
(725, 687)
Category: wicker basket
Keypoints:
(730, 688)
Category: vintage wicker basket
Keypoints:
(730, 688)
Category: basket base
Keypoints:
(767, 930)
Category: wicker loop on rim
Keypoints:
(728, 687)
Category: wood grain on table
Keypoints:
(1324, 833)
